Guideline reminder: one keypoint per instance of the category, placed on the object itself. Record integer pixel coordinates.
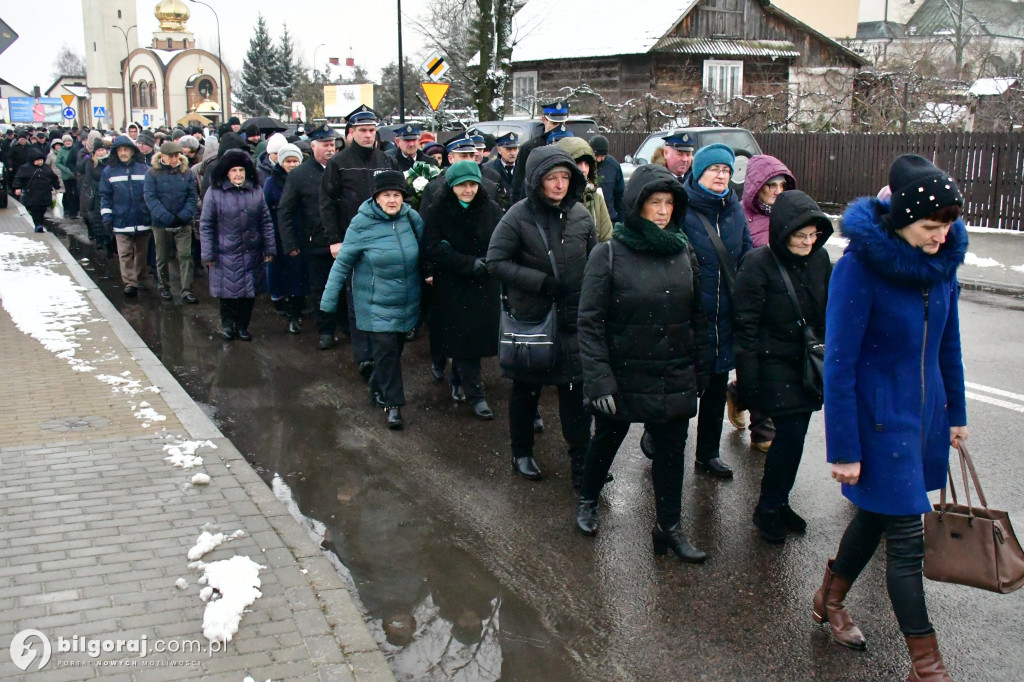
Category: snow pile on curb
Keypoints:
(207, 542)
(236, 581)
(182, 454)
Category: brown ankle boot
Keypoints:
(925, 660)
(828, 608)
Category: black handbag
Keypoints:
(524, 344)
(814, 350)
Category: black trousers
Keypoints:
(387, 367)
(37, 213)
(236, 312)
(466, 373)
(710, 413)
(362, 346)
(522, 407)
(666, 471)
(70, 200)
(904, 563)
(783, 460)
(319, 266)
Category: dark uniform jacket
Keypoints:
(520, 185)
(518, 259)
(348, 182)
(298, 213)
(498, 166)
(405, 163)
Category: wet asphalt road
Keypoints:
(468, 573)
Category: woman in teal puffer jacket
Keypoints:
(381, 254)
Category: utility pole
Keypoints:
(126, 81)
(401, 69)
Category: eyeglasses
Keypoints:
(813, 236)
(719, 170)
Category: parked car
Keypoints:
(532, 127)
(740, 139)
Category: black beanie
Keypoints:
(390, 179)
(919, 189)
(252, 130)
(599, 143)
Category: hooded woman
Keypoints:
(551, 213)
(380, 253)
(770, 345)
(92, 171)
(236, 238)
(894, 392)
(644, 340)
(34, 184)
(593, 197)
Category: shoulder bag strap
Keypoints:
(801, 321)
(724, 262)
(547, 245)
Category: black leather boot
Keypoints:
(527, 468)
(586, 516)
(673, 538)
(393, 418)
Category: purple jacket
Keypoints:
(760, 170)
(235, 231)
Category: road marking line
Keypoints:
(994, 391)
(995, 401)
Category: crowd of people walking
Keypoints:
(657, 290)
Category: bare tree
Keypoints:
(68, 63)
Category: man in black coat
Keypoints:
(407, 148)
(504, 165)
(613, 186)
(555, 114)
(348, 182)
(301, 227)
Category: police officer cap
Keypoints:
(682, 142)
(362, 116)
(324, 132)
(556, 111)
(460, 145)
(478, 141)
(508, 140)
(410, 131)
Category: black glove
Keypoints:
(479, 269)
(553, 287)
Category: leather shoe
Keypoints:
(165, 293)
(437, 372)
(458, 395)
(483, 410)
(327, 341)
(294, 326)
(715, 467)
(771, 526)
(366, 369)
(527, 468)
(791, 521)
(228, 332)
(538, 424)
(131, 291)
(244, 335)
(393, 418)
(672, 538)
(647, 445)
(189, 297)
(586, 516)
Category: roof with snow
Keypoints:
(728, 48)
(165, 56)
(987, 87)
(1004, 18)
(572, 29)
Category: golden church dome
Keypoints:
(172, 15)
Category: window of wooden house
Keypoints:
(524, 91)
(724, 78)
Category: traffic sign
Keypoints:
(68, 100)
(7, 36)
(435, 92)
(99, 112)
(145, 120)
(435, 66)
(69, 113)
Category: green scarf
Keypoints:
(643, 235)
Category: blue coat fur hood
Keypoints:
(894, 378)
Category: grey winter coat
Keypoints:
(171, 194)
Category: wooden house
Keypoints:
(678, 50)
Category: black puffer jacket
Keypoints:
(298, 212)
(642, 332)
(36, 182)
(518, 259)
(769, 341)
(346, 183)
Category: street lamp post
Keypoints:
(126, 82)
(224, 114)
(401, 69)
(314, 58)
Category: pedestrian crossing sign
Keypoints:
(99, 112)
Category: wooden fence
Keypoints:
(835, 168)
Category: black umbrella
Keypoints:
(265, 124)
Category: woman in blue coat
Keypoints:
(894, 391)
(381, 254)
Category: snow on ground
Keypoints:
(201, 479)
(181, 584)
(207, 542)
(979, 262)
(237, 581)
(183, 453)
(1018, 268)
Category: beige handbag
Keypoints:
(968, 545)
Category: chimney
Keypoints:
(349, 61)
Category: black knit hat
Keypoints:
(919, 189)
(599, 143)
(390, 179)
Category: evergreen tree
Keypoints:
(286, 67)
(259, 92)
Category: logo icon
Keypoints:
(23, 654)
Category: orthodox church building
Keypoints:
(169, 81)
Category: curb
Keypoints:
(365, 660)
(992, 287)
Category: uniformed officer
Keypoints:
(508, 150)
(679, 149)
(406, 150)
(555, 114)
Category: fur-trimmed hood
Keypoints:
(159, 165)
(232, 159)
(890, 256)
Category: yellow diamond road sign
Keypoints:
(435, 66)
(435, 92)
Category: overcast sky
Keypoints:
(372, 38)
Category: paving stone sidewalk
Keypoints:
(95, 525)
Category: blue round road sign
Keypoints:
(69, 112)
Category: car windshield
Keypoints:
(739, 140)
